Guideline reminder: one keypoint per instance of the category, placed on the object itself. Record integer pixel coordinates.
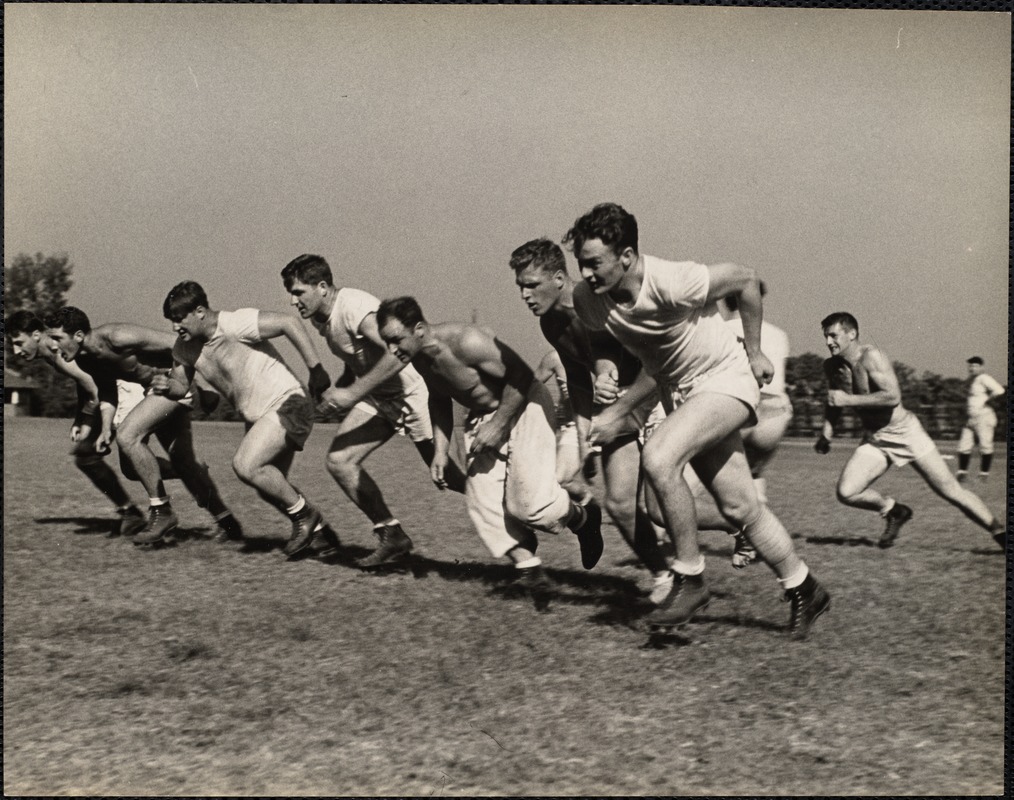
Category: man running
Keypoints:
(511, 489)
(92, 430)
(664, 312)
(382, 397)
(861, 378)
(231, 350)
(137, 354)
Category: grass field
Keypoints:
(199, 670)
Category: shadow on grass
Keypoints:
(86, 525)
(842, 541)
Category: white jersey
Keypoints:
(775, 345)
(980, 390)
(671, 328)
(240, 365)
(341, 331)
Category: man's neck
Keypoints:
(327, 306)
(626, 291)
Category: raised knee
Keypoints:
(244, 469)
(338, 463)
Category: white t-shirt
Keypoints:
(775, 345)
(240, 365)
(982, 388)
(341, 331)
(677, 335)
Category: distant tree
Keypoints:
(40, 284)
(804, 374)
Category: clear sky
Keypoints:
(858, 159)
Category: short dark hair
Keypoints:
(404, 309)
(22, 321)
(842, 318)
(732, 300)
(976, 360)
(70, 319)
(183, 298)
(543, 254)
(608, 222)
(309, 269)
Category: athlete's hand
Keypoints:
(319, 381)
(437, 471)
(104, 441)
(836, 398)
(822, 445)
(78, 433)
(159, 384)
(607, 388)
(336, 400)
(606, 426)
(491, 436)
(763, 369)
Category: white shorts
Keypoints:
(902, 441)
(293, 413)
(981, 428)
(408, 414)
(130, 394)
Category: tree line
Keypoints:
(40, 284)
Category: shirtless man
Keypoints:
(664, 312)
(382, 397)
(91, 430)
(511, 489)
(540, 269)
(230, 350)
(861, 377)
(136, 354)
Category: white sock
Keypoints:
(391, 522)
(296, 507)
(158, 501)
(889, 504)
(528, 563)
(796, 578)
(685, 568)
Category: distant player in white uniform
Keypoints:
(981, 423)
(378, 395)
(123, 354)
(511, 489)
(230, 349)
(664, 312)
(861, 377)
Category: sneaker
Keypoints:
(896, 517)
(229, 530)
(394, 542)
(130, 522)
(809, 600)
(161, 520)
(744, 553)
(589, 535)
(304, 523)
(689, 595)
(660, 588)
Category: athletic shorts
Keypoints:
(773, 407)
(130, 394)
(294, 413)
(409, 414)
(902, 440)
(740, 384)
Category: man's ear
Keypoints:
(628, 257)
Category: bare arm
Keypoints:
(386, 368)
(176, 384)
(139, 339)
(271, 325)
(442, 418)
(733, 279)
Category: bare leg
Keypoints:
(133, 434)
(866, 464)
(262, 461)
(359, 435)
(621, 467)
(933, 469)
